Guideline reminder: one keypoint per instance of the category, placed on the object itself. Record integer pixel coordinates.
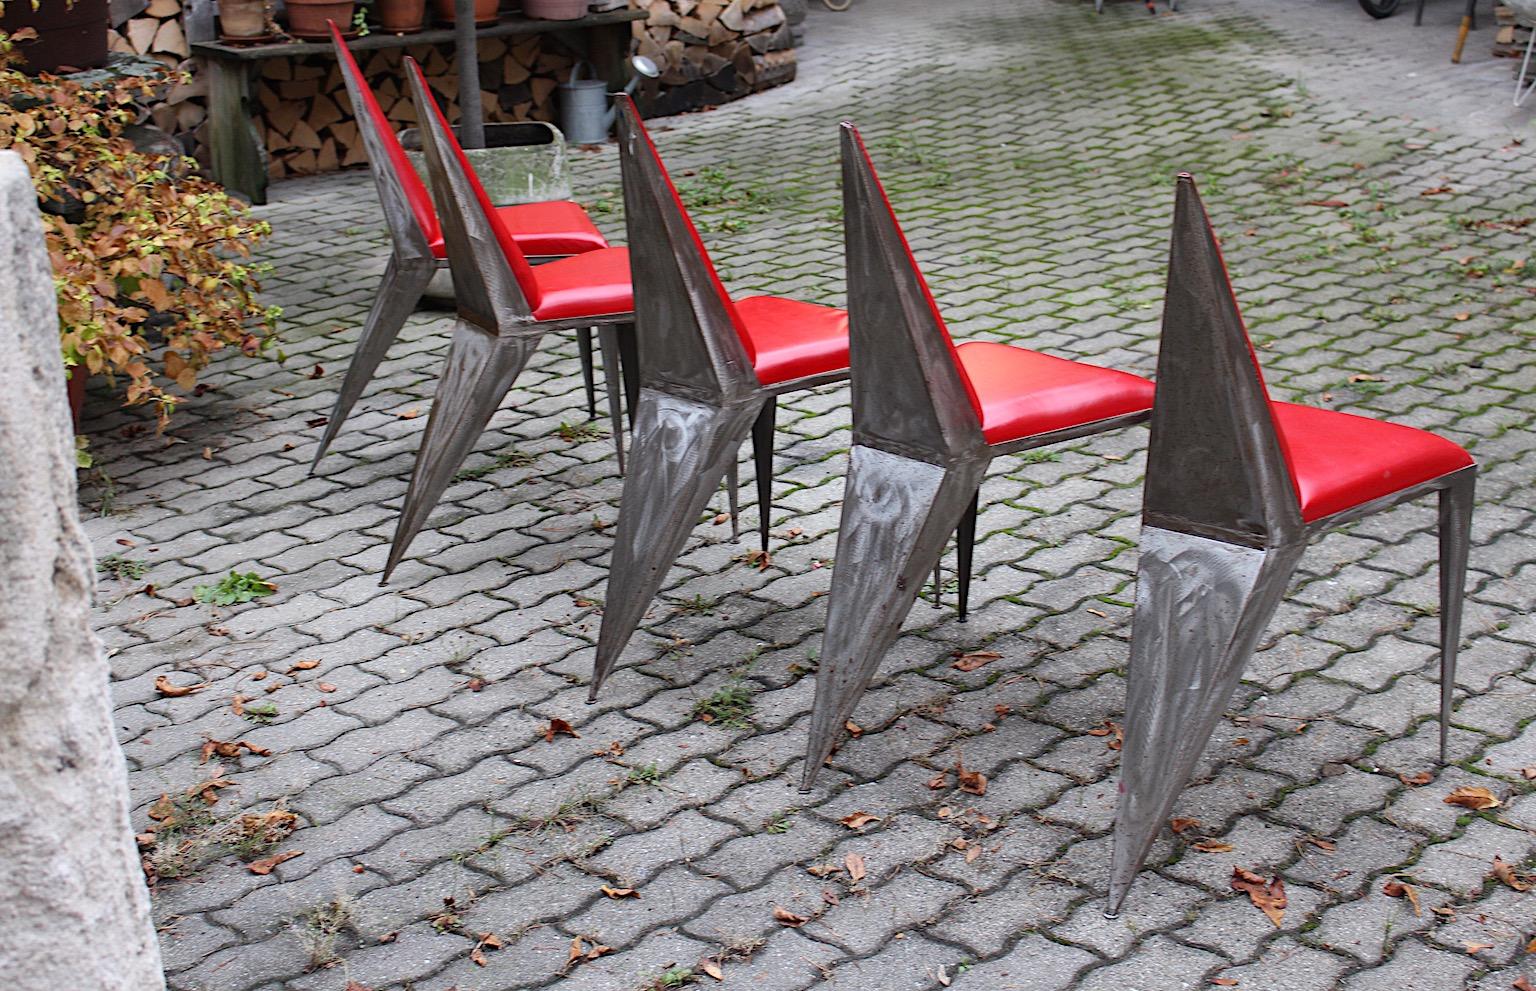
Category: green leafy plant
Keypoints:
(730, 705)
(150, 261)
(122, 568)
(233, 589)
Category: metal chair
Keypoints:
(1236, 486)
(928, 418)
(711, 370)
(505, 307)
(554, 229)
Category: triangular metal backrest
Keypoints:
(492, 281)
(407, 204)
(1215, 466)
(910, 395)
(691, 341)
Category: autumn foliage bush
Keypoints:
(151, 263)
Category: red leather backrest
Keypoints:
(938, 318)
(698, 242)
(521, 270)
(415, 190)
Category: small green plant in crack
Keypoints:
(233, 589)
(729, 706)
(260, 713)
(569, 814)
(725, 225)
(122, 568)
(577, 433)
(673, 977)
(1038, 456)
(320, 928)
(697, 604)
(713, 186)
(780, 822)
(514, 459)
(649, 774)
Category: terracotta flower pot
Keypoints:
(74, 388)
(69, 37)
(485, 11)
(555, 10)
(306, 18)
(401, 16)
(243, 18)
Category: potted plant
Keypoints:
(244, 19)
(306, 18)
(150, 262)
(401, 16)
(69, 34)
(486, 11)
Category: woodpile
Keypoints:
(1510, 36)
(710, 52)
(713, 51)
(307, 119)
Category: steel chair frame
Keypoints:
(699, 396)
(408, 272)
(494, 333)
(1222, 533)
(918, 458)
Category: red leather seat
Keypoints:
(1022, 393)
(591, 284)
(1339, 460)
(556, 227)
(788, 339)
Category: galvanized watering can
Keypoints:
(586, 115)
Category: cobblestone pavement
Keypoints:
(1029, 147)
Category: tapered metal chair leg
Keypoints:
(965, 547)
(629, 368)
(762, 459)
(1455, 539)
(897, 516)
(588, 381)
(399, 292)
(1201, 606)
(679, 451)
(608, 336)
(480, 369)
(733, 494)
(938, 580)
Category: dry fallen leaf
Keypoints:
(620, 892)
(1414, 781)
(409, 414)
(325, 687)
(1507, 874)
(789, 918)
(1226, 982)
(1475, 948)
(721, 518)
(855, 865)
(1366, 377)
(488, 941)
(209, 789)
(943, 977)
(975, 659)
(264, 867)
(1521, 983)
(1397, 889)
(1212, 846)
(822, 870)
(1181, 825)
(224, 749)
(854, 729)
(164, 686)
(939, 781)
(712, 969)
(971, 782)
(1475, 797)
(1110, 728)
(581, 951)
(1435, 191)
(557, 727)
(1332, 203)
(858, 820)
(1267, 896)
(1327, 846)
(303, 666)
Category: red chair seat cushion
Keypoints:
(1339, 460)
(591, 284)
(789, 339)
(558, 227)
(1022, 393)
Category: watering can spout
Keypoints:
(643, 68)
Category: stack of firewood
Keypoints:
(1511, 37)
(714, 51)
(309, 126)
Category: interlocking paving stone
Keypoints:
(1028, 146)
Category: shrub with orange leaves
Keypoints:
(147, 258)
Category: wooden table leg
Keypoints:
(235, 149)
(607, 51)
